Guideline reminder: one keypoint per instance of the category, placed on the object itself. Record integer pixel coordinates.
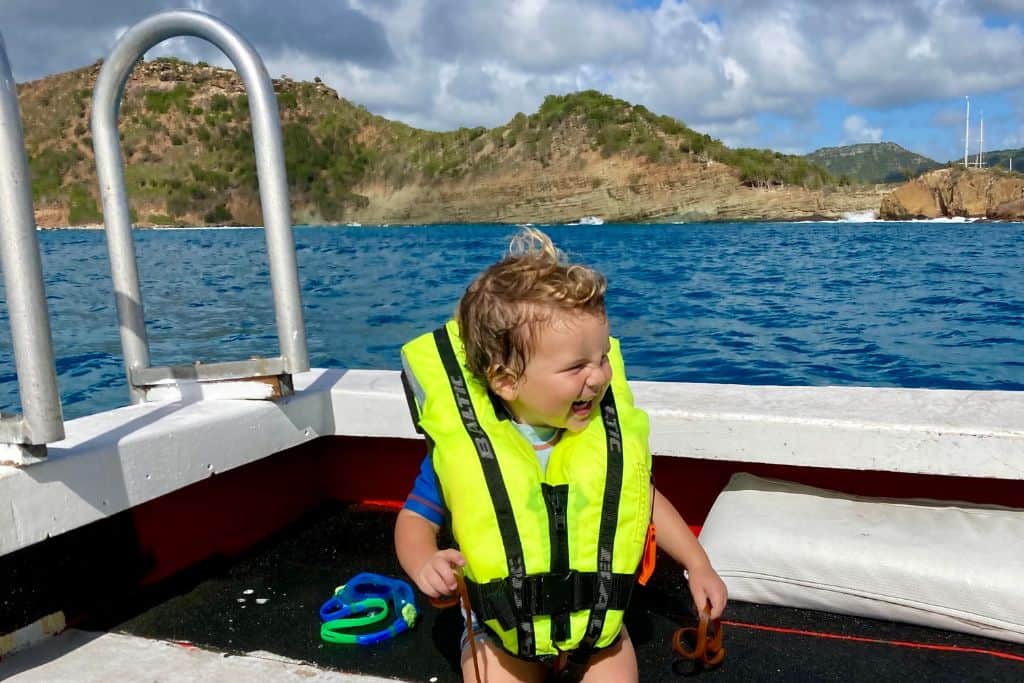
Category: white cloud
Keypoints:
(856, 129)
(735, 73)
(707, 63)
(922, 50)
(736, 131)
(718, 65)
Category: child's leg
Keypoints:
(498, 666)
(616, 663)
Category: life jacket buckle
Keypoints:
(558, 593)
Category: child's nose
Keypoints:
(599, 376)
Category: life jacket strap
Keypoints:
(410, 402)
(546, 595)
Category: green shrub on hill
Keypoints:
(83, 209)
(161, 101)
(287, 100)
(160, 219)
(218, 215)
(219, 103)
(617, 127)
(764, 168)
(48, 168)
(213, 180)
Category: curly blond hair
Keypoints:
(506, 305)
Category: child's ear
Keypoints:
(503, 383)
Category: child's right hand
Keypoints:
(436, 578)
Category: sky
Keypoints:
(785, 75)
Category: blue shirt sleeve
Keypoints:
(425, 497)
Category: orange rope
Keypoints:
(707, 649)
(462, 596)
(879, 641)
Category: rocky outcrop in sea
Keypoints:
(948, 192)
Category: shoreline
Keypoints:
(749, 221)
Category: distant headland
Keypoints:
(188, 146)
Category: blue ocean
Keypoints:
(933, 305)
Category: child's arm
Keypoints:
(676, 539)
(431, 569)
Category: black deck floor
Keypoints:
(269, 600)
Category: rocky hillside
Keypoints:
(956, 191)
(881, 162)
(187, 141)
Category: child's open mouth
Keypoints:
(582, 408)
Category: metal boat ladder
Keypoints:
(23, 438)
(291, 334)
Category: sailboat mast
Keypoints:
(981, 139)
(967, 129)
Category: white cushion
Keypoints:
(954, 566)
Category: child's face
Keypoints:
(566, 375)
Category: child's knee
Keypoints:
(616, 663)
(496, 665)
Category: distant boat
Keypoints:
(589, 220)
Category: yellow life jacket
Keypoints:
(551, 556)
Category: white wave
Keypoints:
(951, 219)
(941, 219)
(871, 217)
(868, 216)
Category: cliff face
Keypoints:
(614, 189)
(948, 192)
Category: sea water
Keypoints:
(933, 305)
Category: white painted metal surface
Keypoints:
(925, 431)
(120, 458)
(87, 657)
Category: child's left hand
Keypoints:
(707, 586)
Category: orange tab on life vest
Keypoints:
(649, 556)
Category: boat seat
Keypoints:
(950, 565)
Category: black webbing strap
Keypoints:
(547, 594)
(556, 498)
(496, 487)
(577, 661)
(410, 400)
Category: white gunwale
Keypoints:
(121, 458)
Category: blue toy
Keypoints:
(367, 599)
